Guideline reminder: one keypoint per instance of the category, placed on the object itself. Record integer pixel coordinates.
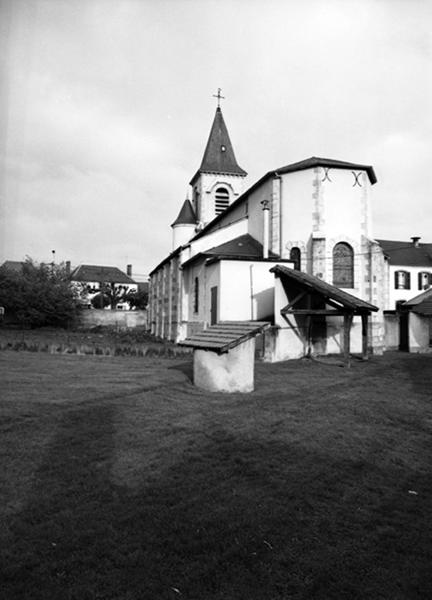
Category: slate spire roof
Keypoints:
(219, 155)
(186, 215)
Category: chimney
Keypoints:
(129, 270)
(266, 209)
(415, 240)
(68, 268)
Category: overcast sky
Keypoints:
(106, 106)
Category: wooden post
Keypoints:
(364, 319)
(348, 317)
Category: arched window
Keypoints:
(402, 280)
(221, 200)
(295, 256)
(343, 265)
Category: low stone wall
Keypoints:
(122, 319)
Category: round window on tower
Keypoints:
(223, 148)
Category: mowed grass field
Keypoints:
(120, 480)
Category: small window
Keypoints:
(343, 265)
(402, 280)
(196, 294)
(424, 280)
(221, 200)
(295, 256)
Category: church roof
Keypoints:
(186, 215)
(244, 247)
(100, 273)
(314, 161)
(219, 154)
(407, 254)
(308, 163)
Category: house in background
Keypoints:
(415, 323)
(91, 280)
(408, 269)
(13, 266)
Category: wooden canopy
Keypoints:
(225, 335)
(315, 297)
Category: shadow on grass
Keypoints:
(231, 517)
(186, 368)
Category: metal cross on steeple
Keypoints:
(219, 96)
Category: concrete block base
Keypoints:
(232, 371)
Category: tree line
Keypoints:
(40, 295)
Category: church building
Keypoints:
(295, 249)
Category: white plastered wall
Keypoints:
(246, 290)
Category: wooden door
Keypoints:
(213, 305)
(403, 331)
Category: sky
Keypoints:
(106, 107)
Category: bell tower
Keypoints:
(219, 180)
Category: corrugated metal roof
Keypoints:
(100, 273)
(219, 154)
(406, 254)
(225, 335)
(325, 289)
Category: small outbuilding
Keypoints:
(415, 323)
(224, 355)
(314, 317)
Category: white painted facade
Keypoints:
(403, 288)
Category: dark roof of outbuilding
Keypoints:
(219, 154)
(326, 290)
(406, 253)
(100, 273)
(308, 163)
(186, 215)
(421, 304)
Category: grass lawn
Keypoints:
(122, 481)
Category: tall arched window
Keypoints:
(221, 200)
(295, 256)
(343, 265)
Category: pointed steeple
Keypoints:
(183, 227)
(219, 155)
(186, 215)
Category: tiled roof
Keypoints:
(225, 335)
(326, 290)
(244, 247)
(100, 273)
(15, 266)
(219, 154)
(421, 304)
(406, 254)
(186, 215)
(315, 161)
